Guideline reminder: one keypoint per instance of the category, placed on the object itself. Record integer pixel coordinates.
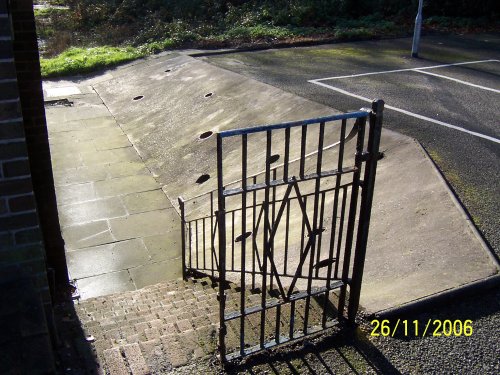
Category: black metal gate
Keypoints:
(281, 240)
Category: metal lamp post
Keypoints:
(416, 32)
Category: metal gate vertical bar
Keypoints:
(315, 228)
(254, 220)
(265, 245)
(190, 243)
(196, 243)
(273, 218)
(334, 234)
(221, 213)
(303, 143)
(212, 232)
(287, 154)
(204, 245)
(340, 230)
(352, 213)
(366, 206)
(243, 239)
(183, 236)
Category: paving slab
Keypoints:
(86, 235)
(95, 210)
(146, 201)
(125, 185)
(146, 224)
(107, 199)
(147, 274)
(161, 247)
(104, 284)
(97, 260)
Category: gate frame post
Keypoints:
(183, 235)
(376, 117)
(221, 214)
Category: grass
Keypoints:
(85, 60)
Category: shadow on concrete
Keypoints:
(75, 354)
(345, 351)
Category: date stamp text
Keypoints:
(415, 328)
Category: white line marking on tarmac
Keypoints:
(406, 70)
(458, 80)
(425, 118)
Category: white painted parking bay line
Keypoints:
(457, 80)
(406, 70)
(416, 115)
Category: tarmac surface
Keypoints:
(420, 241)
(465, 96)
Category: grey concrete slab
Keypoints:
(153, 273)
(108, 283)
(100, 177)
(87, 235)
(65, 160)
(164, 247)
(420, 241)
(165, 126)
(84, 112)
(116, 155)
(98, 209)
(111, 142)
(125, 185)
(72, 176)
(127, 168)
(75, 193)
(145, 224)
(83, 135)
(108, 258)
(91, 123)
(146, 201)
(62, 91)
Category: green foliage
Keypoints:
(455, 22)
(251, 33)
(135, 28)
(83, 60)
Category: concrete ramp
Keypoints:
(420, 242)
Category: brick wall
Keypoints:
(27, 64)
(30, 239)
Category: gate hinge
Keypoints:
(223, 330)
(219, 296)
(365, 156)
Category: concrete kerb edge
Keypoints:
(465, 290)
(262, 47)
(465, 214)
(439, 299)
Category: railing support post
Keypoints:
(366, 206)
(183, 236)
(221, 213)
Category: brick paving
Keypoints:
(174, 320)
(159, 328)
